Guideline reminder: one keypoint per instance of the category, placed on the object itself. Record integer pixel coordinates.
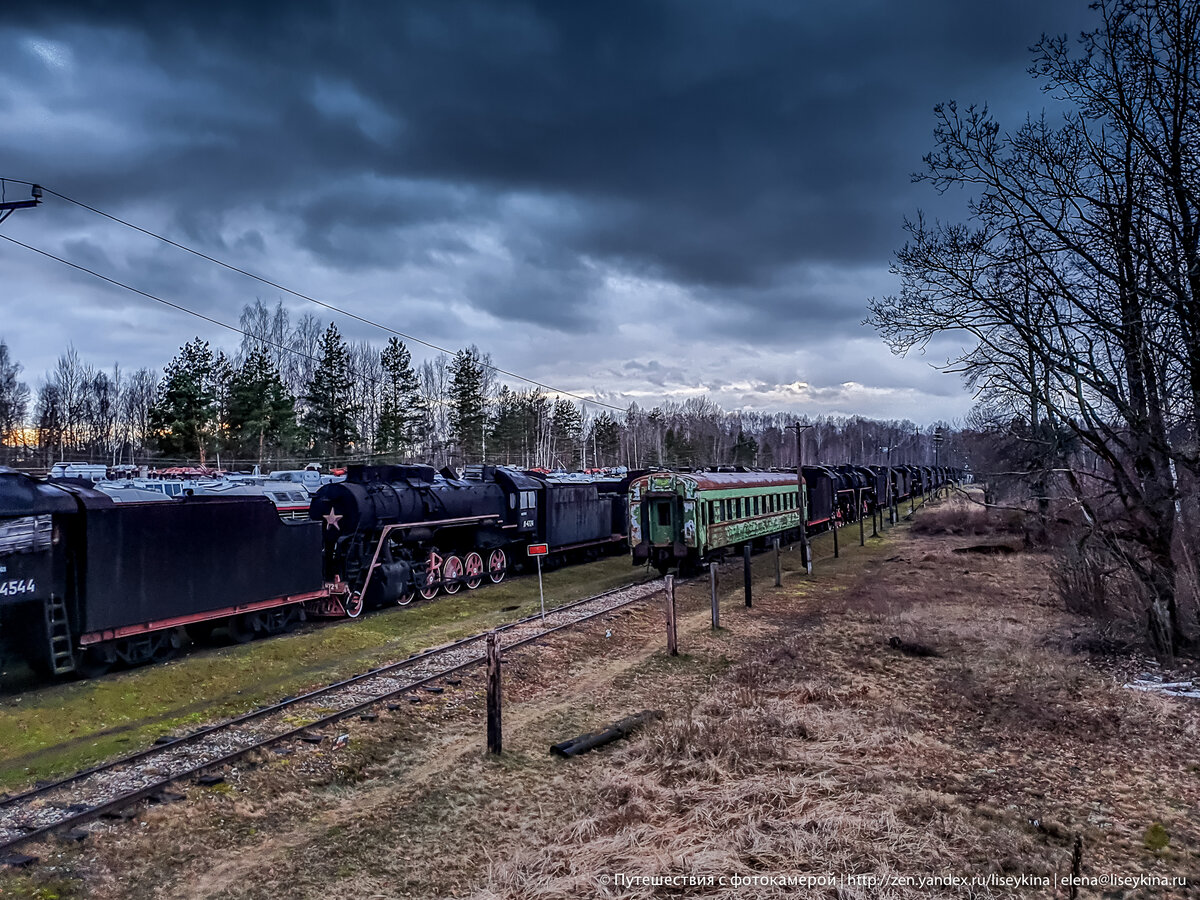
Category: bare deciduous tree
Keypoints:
(1078, 274)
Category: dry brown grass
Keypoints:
(962, 515)
(796, 740)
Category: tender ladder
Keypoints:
(58, 629)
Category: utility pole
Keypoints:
(801, 499)
(8, 206)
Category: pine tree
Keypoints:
(509, 441)
(262, 414)
(568, 431)
(606, 439)
(184, 419)
(403, 419)
(468, 405)
(330, 414)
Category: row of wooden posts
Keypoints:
(494, 730)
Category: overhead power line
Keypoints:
(173, 305)
(288, 290)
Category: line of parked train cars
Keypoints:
(681, 520)
(87, 583)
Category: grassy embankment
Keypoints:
(61, 728)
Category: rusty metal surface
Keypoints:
(715, 481)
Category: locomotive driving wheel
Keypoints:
(432, 583)
(497, 566)
(474, 567)
(405, 598)
(452, 573)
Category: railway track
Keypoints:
(105, 790)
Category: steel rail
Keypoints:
(147, 791)
(263, 711)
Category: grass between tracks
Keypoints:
(59, 729)
(795, 740)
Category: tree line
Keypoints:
(292, 393)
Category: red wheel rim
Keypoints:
(474, 567)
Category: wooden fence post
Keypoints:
(862, 524)
(778, 570)
(746, 568)
(672, 636)
(716, 604)
(834, 523)
(494, 739)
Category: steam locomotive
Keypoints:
(87, 583)
(398, 531)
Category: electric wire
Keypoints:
(173, 305)
(302, 296)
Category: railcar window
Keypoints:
(757, 503)
(664, 513)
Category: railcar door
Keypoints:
(661, 520)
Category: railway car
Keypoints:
(581, 514)
(821, 488)
(86, 582)
(395, 532)
(683, 519)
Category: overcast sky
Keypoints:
(640, 201)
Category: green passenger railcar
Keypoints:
(683, 519)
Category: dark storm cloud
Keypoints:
(788, 117)
(750, 159)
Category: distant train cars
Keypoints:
(682, 519)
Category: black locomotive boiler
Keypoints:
(395, 532)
